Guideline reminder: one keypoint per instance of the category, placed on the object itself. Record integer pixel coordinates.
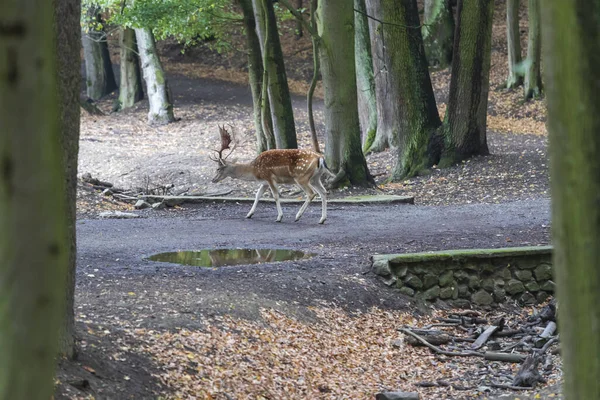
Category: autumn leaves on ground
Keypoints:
(336, 355)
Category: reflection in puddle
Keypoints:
(222, 257)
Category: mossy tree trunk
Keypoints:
(415, 118)
(384, 136)
(438, 32)
(465, 123)
(161, 105)
(33, 246)
(513, 42)
(67, 14)
(335, 23)
(572, 54)
(280, 102)
(130, 87)
(255, 73)
(100, 77)
(365, 81)
(533, 76)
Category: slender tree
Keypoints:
(255, 74)
(533, 75)
(280, 101)
(157, 89)
(513, 41)
(335, 22)
(100, 78)
(466, 117)
(572, 55)
(384, 136)
(438, 32)
(130, 87)
(298, 31)
(66, 24)
(33, 245)
(365, 80)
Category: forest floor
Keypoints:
(319, 328)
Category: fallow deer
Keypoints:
(302, 167)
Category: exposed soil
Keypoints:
(137, 320)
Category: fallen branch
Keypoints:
(484, 337)
(511, 387)
(504, 357)
(437, 349)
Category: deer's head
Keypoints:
(222, 168)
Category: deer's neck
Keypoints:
(242, 171)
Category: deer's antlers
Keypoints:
(226, 140)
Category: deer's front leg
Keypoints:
(276, 197)
(259, 194)
(318, 187)
(310, 195)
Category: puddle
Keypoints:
(224, 257)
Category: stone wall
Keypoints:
(482, 277)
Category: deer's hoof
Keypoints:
(279, 219)
(249, 216)
(322, 221)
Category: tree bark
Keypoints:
(384, 136)
(280, 101)
(513, 41)
(415, 118)
(572, 55)
(33, 246)
(298, 31)
(465, 125)
(67, 15)
(533, 75)
(100, 77)
(335, 22)
(365, 80)
(130, 88)
(161, 105)
(438, 32)
(255, 72)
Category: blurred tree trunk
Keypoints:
(33, 246)
(438, 32)
(100, 77)
(159, 97)
(384, 136)
(67, 27)
(280, 101)
(533, 75)
(572, 55)
(415, 118)
(465, 123)
(365, 81)
(513, 41)
(255, 73)
(130, 88)
(335, 23)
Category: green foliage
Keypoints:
(187, 21)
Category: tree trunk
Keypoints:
(255, 72)
(415, 118)
(280, 101)
(365, 81)
(130, 89)
(533, 75)
(298, 31)
(438, 32)
(335, 22)
(67, 15)
(33, 246)
(572, 55)
(161, 105)
(100, 78)
(464, 128)
(513, 41)
(384, 136)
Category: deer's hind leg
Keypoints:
(259, 194)
(310, 195)
(315, 183)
